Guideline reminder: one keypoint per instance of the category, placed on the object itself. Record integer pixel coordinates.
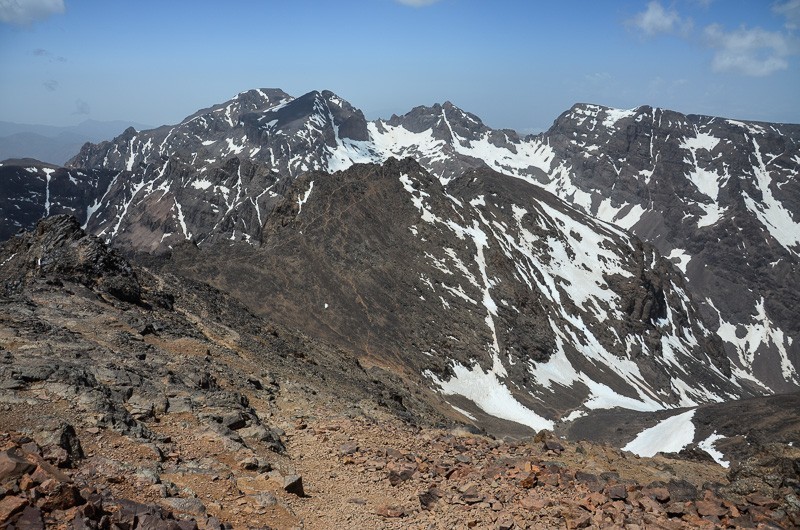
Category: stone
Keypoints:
(617, 492)
(58, 495)
(30, 519)
(349, 448)
(428, 498)
(9, 506)
(294, 484)
(13, 465)
(390, 511)
(192, 506)
(710, 507)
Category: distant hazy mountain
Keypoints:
(52, 144)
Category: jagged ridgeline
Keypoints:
(479, 282)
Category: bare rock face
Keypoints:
(59, 249)
(716, 197)
(186, 408)
(486, 282)
(31, 190)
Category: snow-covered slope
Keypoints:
(495, 293)
(720, 198)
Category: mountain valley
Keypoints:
(281, 277)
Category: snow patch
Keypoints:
(668, 436)
(202, 184)
(490, 395)
(680, 258)
(302, 201)
(707, 445)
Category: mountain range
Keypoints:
(51, 144)
(623, 258)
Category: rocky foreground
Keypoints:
(370, 471)
(130, 399)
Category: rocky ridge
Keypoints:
(718, 197)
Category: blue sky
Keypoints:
(515, 63)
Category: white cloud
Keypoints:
(790, 10)
(754, 52)
(656, 19)
(417, 3)
(25, 12)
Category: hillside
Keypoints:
(146, 399)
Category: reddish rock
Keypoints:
(13, 465)
(762, 500)
(58, 495)
(710, 507)
(659, 494)
(529, 481)
(9, 506)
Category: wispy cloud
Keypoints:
(81, 107)
(656, 19)
(26, 12)
(41, 52)
(417, 3)
(51, 85)
(753, 52)
(790, 10)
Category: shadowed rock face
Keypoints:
(718, 197)
(487, 282)
(31, 190)
(58, 249)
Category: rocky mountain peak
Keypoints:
(717, 197)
